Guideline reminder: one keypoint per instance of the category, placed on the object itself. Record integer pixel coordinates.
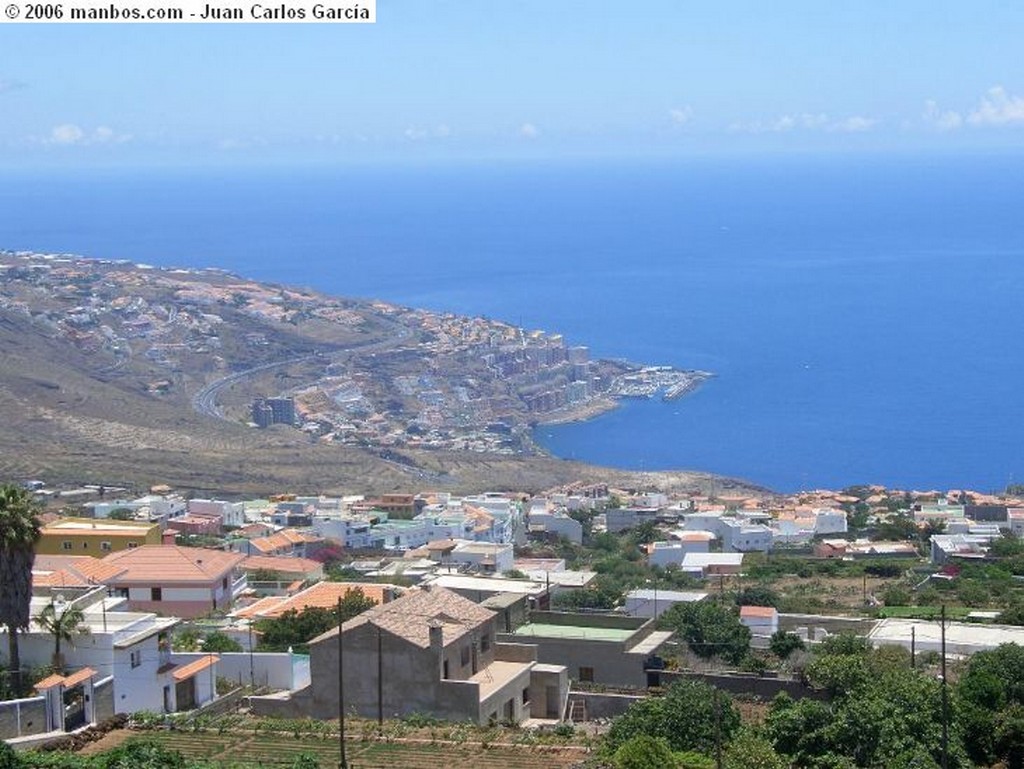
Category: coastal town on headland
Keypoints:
(373, 373)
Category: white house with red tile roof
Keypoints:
(179, 581)
(762, 620)
(133, 647)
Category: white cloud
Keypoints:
(854, 124)
(415, 133)
(940, 119)
(998, 108)
(807, 121)
(681, 115)
(69, 134)
(529, 131)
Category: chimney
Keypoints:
(437, 644)
(168, 536)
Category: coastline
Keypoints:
(579, 413)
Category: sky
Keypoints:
(451, 79)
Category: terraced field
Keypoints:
(275, 750)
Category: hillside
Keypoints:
(104, 366)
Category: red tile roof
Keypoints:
(196, 666)
(173, 564)
(324, 595)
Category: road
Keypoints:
(205, 400)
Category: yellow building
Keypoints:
(85, 536)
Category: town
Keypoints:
(359, 373)
(558, 612)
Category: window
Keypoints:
(136, 658)
(132, 545)
(224, 583)
(587, 675)
(445, 673)
(85, 545)
(485, 642)
(105, 546)
(156, 594)
(66, 544)
(526, 695)
(465, 656)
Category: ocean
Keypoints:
(862, 313)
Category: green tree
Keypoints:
(296, 629)
(991, 693)
(709, 629)
(644, 752)
(748, 751)
(758, 595)
(782, 644)
(220, 642)
(63, 622)
(19, 532)
(186, 641)
(122, 514)
(685, 718)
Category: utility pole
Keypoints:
(252, 665)
(718, 731)
(343, 762)
(380, 682)
(913, 646)
(945, 697)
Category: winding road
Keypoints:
(205, 400)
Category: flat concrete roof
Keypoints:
(584, 633)
(961, 637)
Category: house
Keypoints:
(133, 647)
(863, 548)
(762, 620)
(284, 543)
(946, 547)
(479, 589)
(284, 569)
(648, 602)
(596, 648)
(231, 514)
(712, 564)
(430, 652)
(196, 524)
(671, 552)
(743, 537)
(180, 581)
(85, 536)
(625, 518)
(64, 572)
(554, 524)
(324, 595)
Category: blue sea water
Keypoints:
(862, 314)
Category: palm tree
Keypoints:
(62, 621)
(19, 532)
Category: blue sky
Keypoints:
(440, 79)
